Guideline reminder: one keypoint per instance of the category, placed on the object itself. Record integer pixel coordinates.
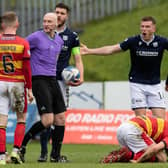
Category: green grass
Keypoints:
(81, 156)
(115, 29)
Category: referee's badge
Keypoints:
(65, 38)
(155, 44)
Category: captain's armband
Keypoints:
(75, 50)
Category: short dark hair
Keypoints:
(9, 17)
(64, 6)
(149, 18)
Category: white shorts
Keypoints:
(12, 97)
(65, 92)
(133, 137)
(147, 96)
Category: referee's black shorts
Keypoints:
(48, 95)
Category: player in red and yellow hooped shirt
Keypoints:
(15, 78)
(13, 52)
(156, 128)
(145, 136)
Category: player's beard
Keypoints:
(61, 24)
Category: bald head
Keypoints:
(51, 16)
(49, 23)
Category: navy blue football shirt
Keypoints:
(71, 40)
(146, 58)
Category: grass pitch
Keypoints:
(80, 156)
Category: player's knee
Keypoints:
(47, 122)
(59, 119)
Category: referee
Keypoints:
(70, 48)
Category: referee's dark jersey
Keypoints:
(146, 58)
(71, 40)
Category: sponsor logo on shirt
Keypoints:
(155, 44)
(147, 53)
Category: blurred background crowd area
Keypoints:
(82, 11)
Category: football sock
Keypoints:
(35, 129)
(44, 137)
(2, 140)
(57, 135)
(19, 134)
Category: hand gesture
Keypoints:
(83, 49)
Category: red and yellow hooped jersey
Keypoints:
(13, 51)
(156, 128)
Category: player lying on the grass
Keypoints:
(142, 139)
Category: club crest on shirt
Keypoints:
(155, 44)
(140, 43)
(65, 38)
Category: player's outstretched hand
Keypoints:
(83, 49)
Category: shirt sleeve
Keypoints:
(165, 44)
(126, 44)
(27, 73)
(26, 53)
(76, 40)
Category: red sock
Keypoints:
(19, 134)
(138, 155)
(2, 140)
(126, 154)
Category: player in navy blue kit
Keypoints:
(146, 52)
(70, 47)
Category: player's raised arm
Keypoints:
(105, 50)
